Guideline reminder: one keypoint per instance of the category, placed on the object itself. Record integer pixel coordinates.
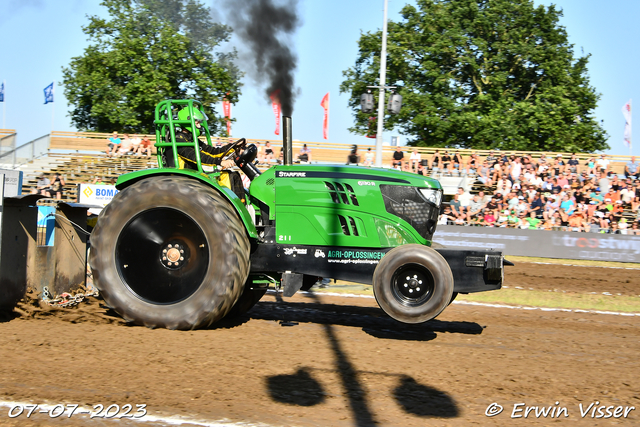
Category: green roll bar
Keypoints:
(166, 123)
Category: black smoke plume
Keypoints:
(264, 28)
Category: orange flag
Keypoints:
(325, 125)
(226, 108)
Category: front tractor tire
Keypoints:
(170, 252)
(413, 283)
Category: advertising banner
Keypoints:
(96, 194)
(541, 243)
(12, 182)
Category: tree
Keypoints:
(147, 51)
(482, 74)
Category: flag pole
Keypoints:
(53, 108)
(630, 127)
(383, 76)
(4, 103)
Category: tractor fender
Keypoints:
(128, 179)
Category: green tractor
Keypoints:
(181, 248)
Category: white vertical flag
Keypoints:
(626, 112)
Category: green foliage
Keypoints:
(481, 74)
(147, 51)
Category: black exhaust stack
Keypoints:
(287, 142)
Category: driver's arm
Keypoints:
(226, 164)
(216, 153)
(213, 150)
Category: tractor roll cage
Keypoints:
(166, 122)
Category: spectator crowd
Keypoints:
(117, 146)
(544, 193)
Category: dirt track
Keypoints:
(335, 361)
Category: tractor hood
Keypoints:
(356, 172)
(347, 205)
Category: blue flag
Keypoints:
(48, 93)
(2, 92)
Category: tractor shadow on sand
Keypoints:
(372, 320)
(302, 389)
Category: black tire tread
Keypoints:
(246, 302)
(158, 189)
(414, 254)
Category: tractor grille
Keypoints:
(348, 225)
(270, 181)
(408, 204)
(342, 193)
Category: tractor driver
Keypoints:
(209, 155)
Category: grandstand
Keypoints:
(79, 157)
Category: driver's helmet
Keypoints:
(198, 117)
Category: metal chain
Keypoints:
(65, 299)
(77, 226)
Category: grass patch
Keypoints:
(534, 298)
(531, 298)
(586, 263)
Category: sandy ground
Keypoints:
(318, 360)
(574, 279)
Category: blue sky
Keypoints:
(39, 37)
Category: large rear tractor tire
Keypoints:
(250, 297)
(413, 283)
(170, 252)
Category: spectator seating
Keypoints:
(84, 168)
(326, 152)
(87, 161)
